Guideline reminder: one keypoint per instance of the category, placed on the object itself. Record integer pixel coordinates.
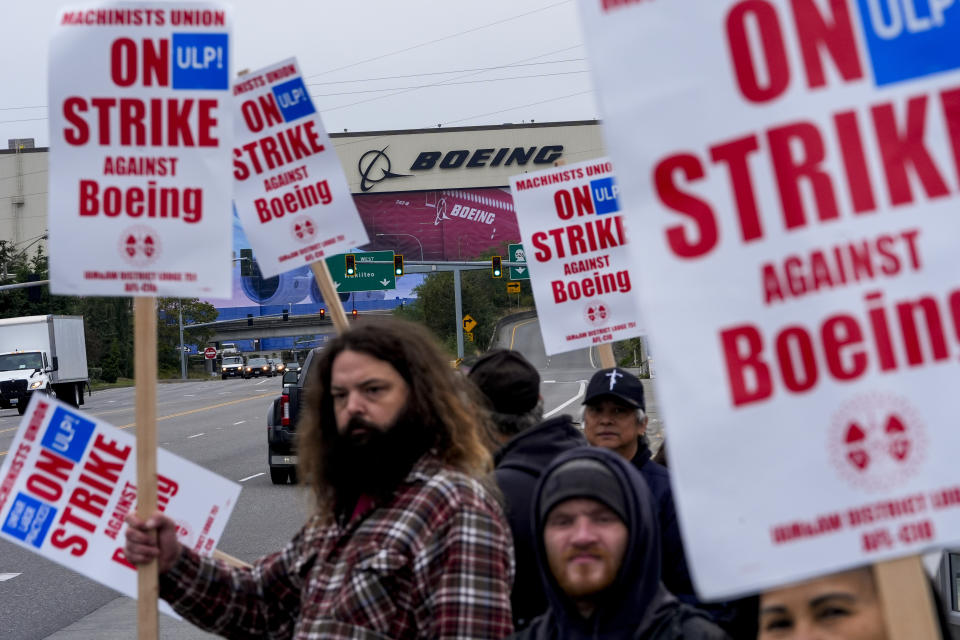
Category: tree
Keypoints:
(17, 267)
(168, 327)
(484, 298)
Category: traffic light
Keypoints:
(354, 313)
(323, 313)
(495, 267)
(246, 262)
(398, 265)
(286, 315)
(351, 264)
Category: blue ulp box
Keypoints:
(67, 434)
(29, 520)
(605, 195)
(910, 39)
(293, 99)
(201, 61)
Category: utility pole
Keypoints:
(183, 354)
(458, 310)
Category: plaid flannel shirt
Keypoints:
(435, 562)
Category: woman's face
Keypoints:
(843, 606)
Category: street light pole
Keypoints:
(458, 309)
(183, 354)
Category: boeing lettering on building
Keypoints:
(461, 157)
(479, 158)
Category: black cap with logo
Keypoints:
(615, 383)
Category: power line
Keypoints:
(440, 73)
(441, 82)
(448, 84)
(25, 173)
(24, 120)
(440, 39)
(520, 106)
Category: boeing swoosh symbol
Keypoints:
(372, 160)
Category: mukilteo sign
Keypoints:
(375, 165)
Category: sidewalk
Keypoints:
(117, 620)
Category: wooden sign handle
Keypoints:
(606, 356)
(908, 606)
(329, 292)
(145, 376)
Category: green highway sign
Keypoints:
(515, 254)
(370, 277)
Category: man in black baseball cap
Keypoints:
(614, 418)
(511, 386)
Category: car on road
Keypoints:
(278, 367)
(282, 423)
(232, 366)
(291, 366)
(257, 367)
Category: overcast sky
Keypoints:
(450, 44)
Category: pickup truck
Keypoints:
(282, 423)
(231, 366)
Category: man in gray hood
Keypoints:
(598, 548)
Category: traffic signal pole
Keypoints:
(458, 311)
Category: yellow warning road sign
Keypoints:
(468, 323)
(513, 287)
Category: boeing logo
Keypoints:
(375, 160)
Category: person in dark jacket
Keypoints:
(598, 549)
(614, 418)
(511, 386)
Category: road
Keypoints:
(220, 425)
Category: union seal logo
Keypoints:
(596, 312)
(139, 245)
(877, 441)
(303, 229)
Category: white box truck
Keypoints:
(42, 354)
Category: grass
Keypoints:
(98, 385)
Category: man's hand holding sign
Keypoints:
(792, 171)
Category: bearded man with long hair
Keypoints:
(406, 541)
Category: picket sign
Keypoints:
(293, 200)
(140, 182)
(792, 166)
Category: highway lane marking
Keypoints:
(262, 381)
(241, 422)
(213, 406)
(590, 353)
(256, 475)
(196, 435)
(188, 395)
(8, 576)
(177, 415)
(513, 335)
(583, 387)
(549, 381)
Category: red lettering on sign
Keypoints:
(919, 325)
